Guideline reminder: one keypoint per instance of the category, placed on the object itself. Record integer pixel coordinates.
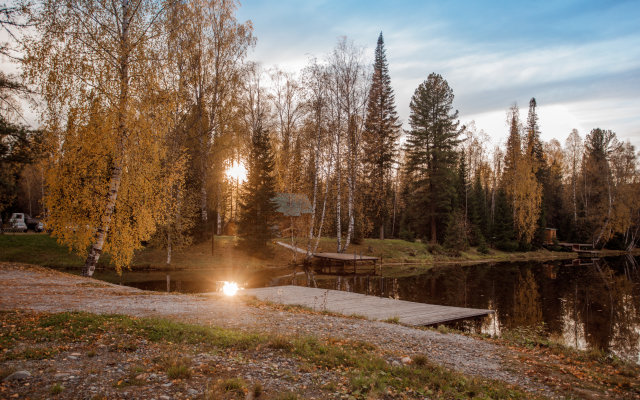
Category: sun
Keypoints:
(237, 172)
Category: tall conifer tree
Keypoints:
(536, 158)
(380, 137)
(431, 153)
(257, 214)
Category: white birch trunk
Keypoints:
(169, 246)
(122, 131)
(324, 206)
(338, 199)
(316, 166)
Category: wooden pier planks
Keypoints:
(372, 307)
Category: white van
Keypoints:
(17, 222)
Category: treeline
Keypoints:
(147, 106)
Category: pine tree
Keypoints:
(536, 158)
(380, 137)
(502, 229)
(431, 152)
(257, 209)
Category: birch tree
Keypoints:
(348, 92)
(288, 111)
(573, 155)
(94, 64)
(217, 46)
(316, 78)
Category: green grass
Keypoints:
(368, 372)
(56, 389)
(39, 249)
(393, 320)
(401, 258)
(236, 385)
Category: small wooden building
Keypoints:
(294, 211)
(550, 236)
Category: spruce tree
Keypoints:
(535, 153)
(380, 137)
(503, 235)
(431, 154)
(257, 208)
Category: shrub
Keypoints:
(407, 235)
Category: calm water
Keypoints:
(595, 304)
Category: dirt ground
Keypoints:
(31, 288)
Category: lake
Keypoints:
(584, 303)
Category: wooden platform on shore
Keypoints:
(345, 257)
(372, 307)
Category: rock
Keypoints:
(192, 391)
(164, 397)
(76, 354)
(17, 376)
(406, 360)
(168, 384)
(60, 375)
(72, 357)
(395, 363)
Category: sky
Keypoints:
(579, 59)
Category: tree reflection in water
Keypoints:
(586, 304)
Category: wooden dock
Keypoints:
(372, 307)
(329, 261)
(583, 249)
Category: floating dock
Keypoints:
(371, 307)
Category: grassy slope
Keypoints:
(42, 249)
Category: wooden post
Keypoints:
(354, 262)
(168, 283)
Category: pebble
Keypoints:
(72, 357)
(406, 360)
(192, 391)
(168, 384)
(164, 397)
(17, 376)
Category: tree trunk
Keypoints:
(338, 199)
(101, 233)
(324, 206)
(315, 198)
(169, 246)
(122, 131)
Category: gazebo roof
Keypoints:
(292, 204)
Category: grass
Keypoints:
(368, 372)
(41, 249)
(236, 385)
(30, 353)
(56, 389)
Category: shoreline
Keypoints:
(481, 361)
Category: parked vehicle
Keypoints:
(34, 224)
(17, 222)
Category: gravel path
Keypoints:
(39, 289)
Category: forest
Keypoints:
(151, 112)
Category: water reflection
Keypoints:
(585, 304)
